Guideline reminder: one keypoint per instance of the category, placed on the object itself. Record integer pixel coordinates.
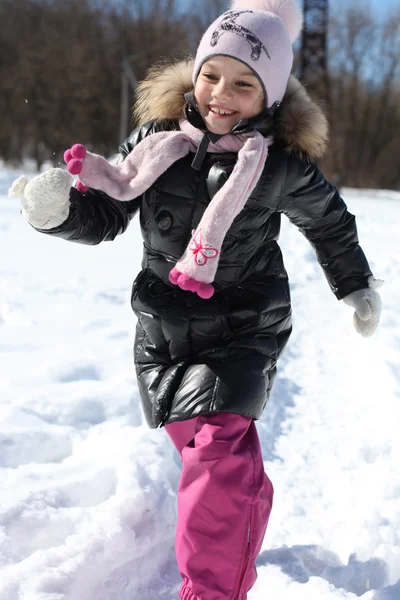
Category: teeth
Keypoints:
(220, 111)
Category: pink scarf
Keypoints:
(195, 270)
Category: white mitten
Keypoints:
(45, 198)
(368, 307)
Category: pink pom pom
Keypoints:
(174, 275)
(78, 151)
(184, 281)
(194, 285)
(81, 187)
(188, 283)
(205, 291)
(288, 10)
(74, 166)
(68, 155)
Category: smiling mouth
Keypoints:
(221, 112)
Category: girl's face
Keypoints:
(226, 92)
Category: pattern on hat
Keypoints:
(228, 24)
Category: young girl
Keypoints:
(226, 145)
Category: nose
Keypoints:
(222, 90)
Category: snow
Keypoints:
(88, 492)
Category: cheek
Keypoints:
(256, 104)
(259, 103)
(199, 93)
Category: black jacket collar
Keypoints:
(264, 123)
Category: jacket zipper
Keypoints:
(245, 565)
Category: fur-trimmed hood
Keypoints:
(302, 126)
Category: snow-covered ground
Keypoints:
(88, 492)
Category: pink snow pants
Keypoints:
(224, 502)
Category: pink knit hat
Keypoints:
(260, 34)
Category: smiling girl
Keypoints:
(226, 93)
(226, 145)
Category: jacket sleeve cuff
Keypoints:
(348, 287)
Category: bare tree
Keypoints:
(63, 83)
(200, 16)
(365, 70)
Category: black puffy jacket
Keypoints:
(196, 356)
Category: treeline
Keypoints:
(60, 68)
(61, 74)
(364, 60)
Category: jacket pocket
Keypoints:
(136, 284)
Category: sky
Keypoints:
(88, 500)
(379, 6)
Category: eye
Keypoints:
(210, 76)
(243, 84)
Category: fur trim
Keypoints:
(301, 126)
(161, 95)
